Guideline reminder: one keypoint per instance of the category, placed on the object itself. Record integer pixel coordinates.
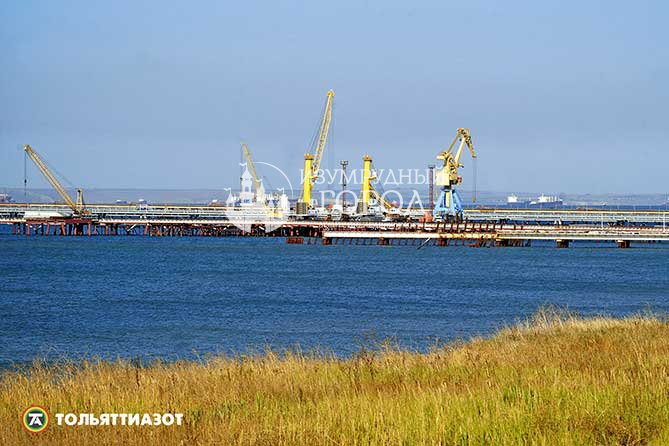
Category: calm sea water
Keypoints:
(184, 297)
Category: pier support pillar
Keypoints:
(623, 243)
(562, 243)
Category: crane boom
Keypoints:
(323, 134)
(77, 208)
(251, 166)
(466, 138)
(449, 175)
(312, 162)
(386, 204)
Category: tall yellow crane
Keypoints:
(367, 191)
(78, 208)
(449, 203)
(251, 167)
(312, 162)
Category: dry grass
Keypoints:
(556, 379)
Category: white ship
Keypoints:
(547, 200)
(513, 200)
(542, 201)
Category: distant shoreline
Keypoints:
(205, 196)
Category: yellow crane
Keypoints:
(368, 191)
(78, 208)
(251, 167)
(312, 162)
(449, 203)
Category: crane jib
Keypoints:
(78, 207)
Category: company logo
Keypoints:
(35, 419)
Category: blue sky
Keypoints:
(559, 96)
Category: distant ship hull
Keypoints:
(546, 204)
(543, 201)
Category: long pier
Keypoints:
(473, 234)
(481, 228)
(503, 235)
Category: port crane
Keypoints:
(449, 204)
(312, 161)
(368, 191)
(78, 207)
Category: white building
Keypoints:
(230, 201)
(246, 194)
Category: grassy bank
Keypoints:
(553, 380)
